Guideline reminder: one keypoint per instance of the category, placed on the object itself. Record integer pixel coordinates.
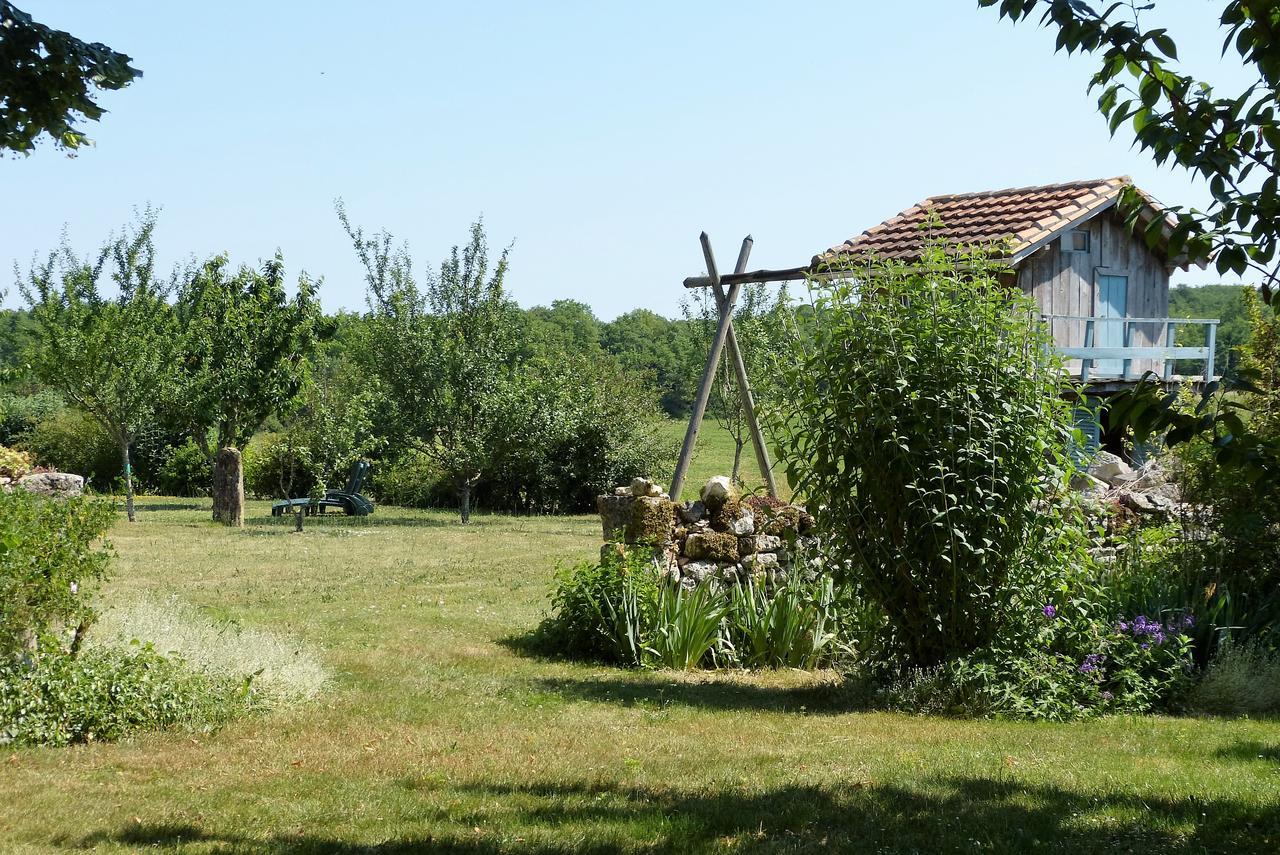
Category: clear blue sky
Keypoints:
(601, 138)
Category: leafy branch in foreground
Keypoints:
(45, 79)
(1229, 139)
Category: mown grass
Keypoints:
(437, 732)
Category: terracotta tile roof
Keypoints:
(1024, 216)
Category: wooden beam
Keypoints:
(708, 372)
(739, 366)
(790, 274)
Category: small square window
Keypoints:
(1076, 240)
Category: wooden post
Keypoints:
(739, 366)
(708, 373)
(1212, 347)
(1168, 343)
(228, 487)
(1086, 364)
(1127, 338)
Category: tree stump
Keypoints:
(228, 487)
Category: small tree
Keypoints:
(246, 346)
(919, 413)
(113, 357)
(446, 352)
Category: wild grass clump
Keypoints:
(280, 669)
(1242, 680)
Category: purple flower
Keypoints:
(1123, 626)
(1188, 621)
(1049, 610)
(1091, 663)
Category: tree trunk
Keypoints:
(228, 488)
(464, 496)
(297, 518)
(738, 444)
(128, 481)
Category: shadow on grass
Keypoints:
(950, 814)
(1251, 751)
(193, 505)
(649, 690)
(267, 524)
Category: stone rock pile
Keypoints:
(54, 485)
(719, 536)
(1148, 490)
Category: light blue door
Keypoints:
(1113, 299)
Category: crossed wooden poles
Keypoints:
(724, 336)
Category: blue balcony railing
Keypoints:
(1145, 344)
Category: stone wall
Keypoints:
(719, 536)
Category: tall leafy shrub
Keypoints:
(48, 551)
(919, 412)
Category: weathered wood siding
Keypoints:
(1065, 283)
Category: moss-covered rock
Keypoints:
(615, 515)
(712, 546)
(652, 520)
(781, 521)
(722, 516)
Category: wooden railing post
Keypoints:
(1168, 343)
(1212, 347)
(1087, 364)
(1126, 336)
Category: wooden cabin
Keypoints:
(1101, 289)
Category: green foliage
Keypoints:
(795, 626)
(411, 479)
(185, 472)
(19, 414)
(111, 356)
(567, 431)
(665, 351)
(276, 466)
(46, 75)
(920, 414)
(48, 551)
(687, 626)
(104, 695)
(602, 610)
(566, 327)
(1228, 139)
(622, 610)
(1068, 665)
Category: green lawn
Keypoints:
(438, 734)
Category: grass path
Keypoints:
(437, 734)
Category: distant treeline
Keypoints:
(667, 353)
